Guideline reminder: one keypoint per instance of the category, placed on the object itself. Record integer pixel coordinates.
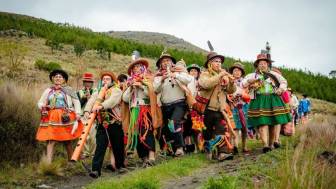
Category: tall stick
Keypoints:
(87, 128)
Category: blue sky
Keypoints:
(301, 33)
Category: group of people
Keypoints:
(182, 108)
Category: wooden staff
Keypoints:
(87, 127)
(226, 117)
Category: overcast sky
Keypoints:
(301, 33)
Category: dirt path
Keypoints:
(81, 180)
(188, 182)
(213, 170)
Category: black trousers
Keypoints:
(115, 135)
(187, 127)
(176, 113)
(215, 125)
(143, 147)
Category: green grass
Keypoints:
(252, 174)
(227, 182)
(32, 174)
(150, 178)
(292, 166)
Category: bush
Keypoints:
(39, 64)
(52, 66)
(42, 65)
(19, 119)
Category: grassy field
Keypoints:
(301, 164)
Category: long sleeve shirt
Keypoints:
(136, 96)
(267, 86)
(72, 103)
(112, 99)
(170, 90)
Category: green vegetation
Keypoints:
(150, 178)
(19, 119)
(292, 166)
(13, 55)
(315, 85)
(69, 34)
(42, 65)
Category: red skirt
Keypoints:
(53, 128)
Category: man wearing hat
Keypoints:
(108, 120)
(266, 109)
(84, 95)
(140, 98)
(169, 83)
(240, 100)
(215, 84)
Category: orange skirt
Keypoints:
(52, 128)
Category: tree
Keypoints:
(54, 43)
(332, 74)
(79, 48)
(101, 47)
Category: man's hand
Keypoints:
(97, 108)
(223, 72)
(251, 80)
(279, 91)
(225, 80)
(136, 84)
(87, 95)
(164, 76)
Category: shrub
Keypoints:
(19, 119)
(42, 65)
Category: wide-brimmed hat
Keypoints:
(88, 77)
(61, 72)
(239, 66)
(138, 61)
(211, 56)
(111, 74)
(194, 66)
(165, 55)
(262, 57)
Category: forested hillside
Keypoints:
(82, 39)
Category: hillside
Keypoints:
(104, 48)
(37, 50)
(156, 39)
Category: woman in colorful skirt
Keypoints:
(266, 109)
(141, 122)
(60, 110)
(240, 102)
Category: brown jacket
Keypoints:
(209, 86)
